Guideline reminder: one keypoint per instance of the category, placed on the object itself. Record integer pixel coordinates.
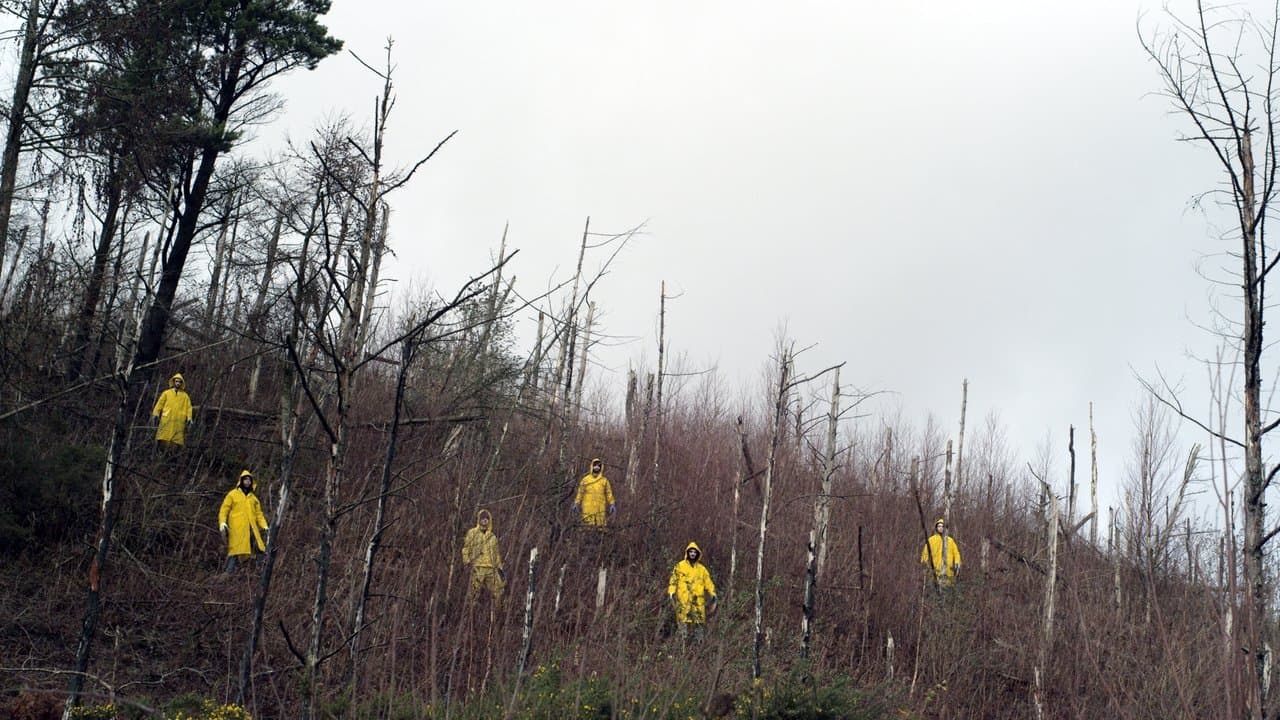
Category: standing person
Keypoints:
(239, 520)
(480, 551)
(691, 591)
(932, 554)
(173, 410)
(594, 497)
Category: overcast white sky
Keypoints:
(928, 190)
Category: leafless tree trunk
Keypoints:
(637, 439)
(775, 433)
(1202, 63)
(526, 632)
(256, 315)
(817, 548)
(22, 85)
(657, 409)
(81, 346)
(1114, 541)
(1071, 477)
(822, 513)
(1093, 480)
(216, 281)
(582, 364)
(741, 474)
(1050, 596)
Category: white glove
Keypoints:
(223, 528)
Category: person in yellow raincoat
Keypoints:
(595, 496)
(931, 555)
(480, 551)
(691, 591)
(173, 410)
(240, 519)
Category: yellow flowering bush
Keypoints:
(182, 709)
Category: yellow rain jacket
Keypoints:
(931, 556)
(480, 551)
(595, 495)
(173, 407)
(242, 514)
(480, 546)
(690, 586)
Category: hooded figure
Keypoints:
(173, 408)
(240, 519)
(595, 496)
(932, 554)
(480, 551)
(690, 587)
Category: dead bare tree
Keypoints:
(775, 433)
(1050, 601)
(1206, 60)
(1093, 480)
(342, 347)
(817, 548)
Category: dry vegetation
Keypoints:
(377, 428)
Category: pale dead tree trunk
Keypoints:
(964, 406)
(555, 608)
(496, 301)
(1093, 480)
(526, 632)
(562, 389)
(817, 548)
(602, 582)
(564, 367)
(1050, 596)
(741, 473)
(1227, 108)
(888, 656)
(776, 423)
(629, 407)
(822, 513)
(582, 364)
(1113, 535)
(379, 249)
(655, 487)
(13, 268)
(215, 278)
(535, 368)
(22, 85)
(887, 472)
(260, 300)
(637, 439)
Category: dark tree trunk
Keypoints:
(93, 291)
(17, 119)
